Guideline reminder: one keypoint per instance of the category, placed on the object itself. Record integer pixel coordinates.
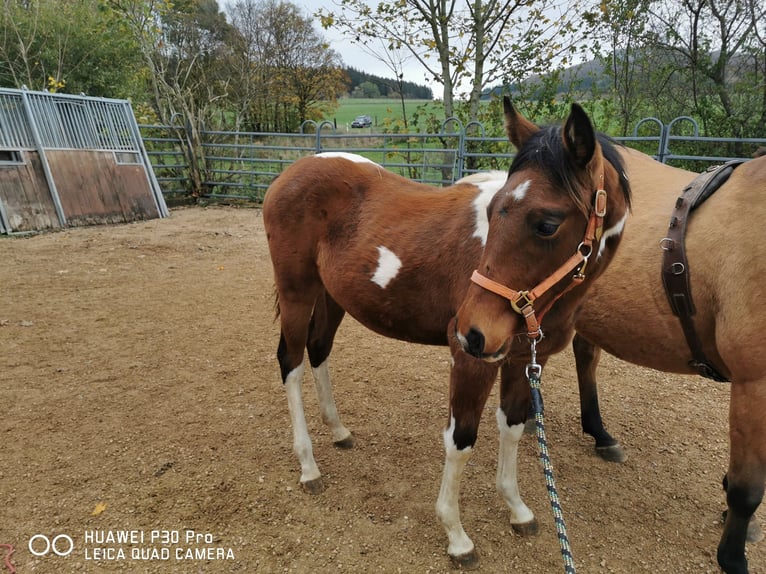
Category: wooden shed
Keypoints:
(72, 160)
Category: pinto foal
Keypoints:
(345, 235)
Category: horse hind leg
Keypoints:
(324, 324)
(295, 315)
(747, 471)
(587, 356)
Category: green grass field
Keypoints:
(378, 109)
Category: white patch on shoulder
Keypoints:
(349, 156)
(614, 230)
(487, 190)
(388, 267)
(520, 191)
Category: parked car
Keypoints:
(361, 122)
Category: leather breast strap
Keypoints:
(675, 266)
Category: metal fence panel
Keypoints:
(242, 165)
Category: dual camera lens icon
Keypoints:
(60, 545)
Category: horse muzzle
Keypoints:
(474, 342)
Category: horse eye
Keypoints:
(547, 228)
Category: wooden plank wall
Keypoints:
(92, 187)
(25, 196)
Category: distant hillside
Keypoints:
(582, 75)
(386, 87)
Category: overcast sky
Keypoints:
(354, 57)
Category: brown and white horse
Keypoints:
(345, 235)
(627, 314)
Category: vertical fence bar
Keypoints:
(43, 158)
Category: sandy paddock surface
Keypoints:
(141, 398)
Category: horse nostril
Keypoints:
(475, 341)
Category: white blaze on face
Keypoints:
(349, 156)
(520, 191)
(388, 267)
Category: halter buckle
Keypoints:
(599, 203)
(522, 300)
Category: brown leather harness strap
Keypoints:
(675, 266)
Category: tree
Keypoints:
(67, 45)
(366, 90)
(297, 73)
(624, 22)
(466, 42)
(182, 45)
(711, 40)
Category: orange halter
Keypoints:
(523, 301)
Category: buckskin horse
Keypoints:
(345, 235)
(628, 314)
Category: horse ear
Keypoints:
(579, 136)
(518, 128)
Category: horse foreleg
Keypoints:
(511, 415)
(587, 357)
(324, 324)
(747, 471)
(460, 547)
(470, 384)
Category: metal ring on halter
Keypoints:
(585, 249)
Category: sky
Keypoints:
(354, 57)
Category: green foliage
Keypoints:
(68, 46)
(366, 90)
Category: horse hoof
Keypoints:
(313, 487)
(754, 532)
(346, 443)
(526, 528)
(613, 453)
(467, 561)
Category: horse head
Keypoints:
(553, 227)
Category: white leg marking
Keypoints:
(327, 403)
(301, 440)
(388, 267)
(614, 230)
(520, 191)
(448, 503)
(507, 469)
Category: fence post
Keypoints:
(318, 130)
(669, 129)
(460, 145)
(661, 144)
(43, 158)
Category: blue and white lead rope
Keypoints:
(533, 375)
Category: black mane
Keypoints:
(545, 150)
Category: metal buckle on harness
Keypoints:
(526, 300)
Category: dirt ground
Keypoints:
(141, 398)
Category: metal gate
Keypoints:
(72, 160)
